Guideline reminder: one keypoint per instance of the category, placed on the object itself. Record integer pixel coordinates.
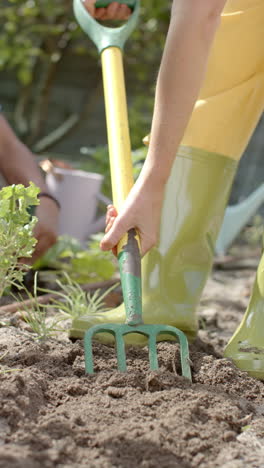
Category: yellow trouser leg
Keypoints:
(232, 98)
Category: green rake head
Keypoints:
(130, 273)
(151, 331)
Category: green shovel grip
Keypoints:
(102, 36)
(129, 260)
(104, 3)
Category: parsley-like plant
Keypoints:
(16, 232)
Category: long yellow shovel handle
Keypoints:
(117, 127)
(117, 124)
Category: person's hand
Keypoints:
(115, 11)
(46, 228)
(141, 210)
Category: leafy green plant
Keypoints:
(16, 232)
(35, 316)
(82, 265)
(73, 302)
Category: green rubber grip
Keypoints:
(130, 274)
(102, 36)
(105, 3)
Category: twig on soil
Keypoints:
(4, 371)
(174, 363)
(235, 263)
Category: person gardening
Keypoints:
(209, 98)
(17, 166)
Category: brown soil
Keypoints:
(53, 415)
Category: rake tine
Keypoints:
(153, 358)
(120, 352)
(184, 353)
(88, 352)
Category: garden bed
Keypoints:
(53, 415)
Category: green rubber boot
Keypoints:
(174, 273)
(246, 347)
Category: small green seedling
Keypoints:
(35, 316)
(73, 302)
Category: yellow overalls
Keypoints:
(231, 100)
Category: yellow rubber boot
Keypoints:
(246, 347)
(174, 273)
(225, 115)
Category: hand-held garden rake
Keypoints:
(110, 42)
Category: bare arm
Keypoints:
(189, 39)
(192, 28)
(17, 163)
(18, 166)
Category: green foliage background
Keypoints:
(34, 38)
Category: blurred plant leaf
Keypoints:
(82, 265)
